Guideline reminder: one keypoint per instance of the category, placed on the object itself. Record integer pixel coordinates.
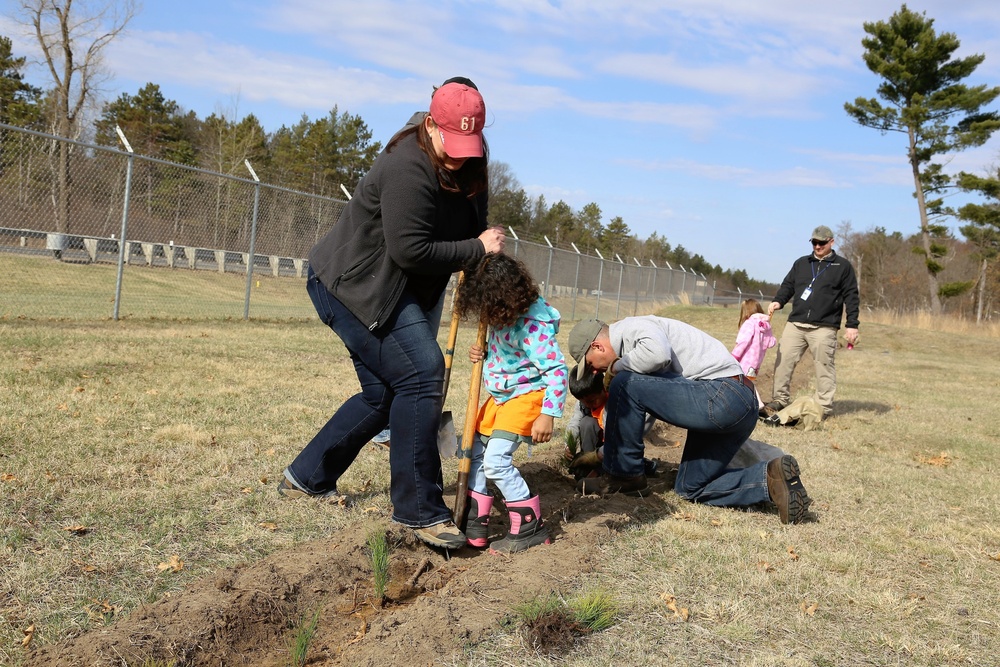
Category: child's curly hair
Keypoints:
(498, 289)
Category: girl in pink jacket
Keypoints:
(753, 340)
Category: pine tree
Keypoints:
(925, 101)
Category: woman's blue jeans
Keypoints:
(719, 416)
(401, 370)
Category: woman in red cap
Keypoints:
(417, 217)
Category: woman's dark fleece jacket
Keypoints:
(400, 231)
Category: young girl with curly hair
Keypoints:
(525, 375)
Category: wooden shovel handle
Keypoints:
(469, 433)
(449, 351)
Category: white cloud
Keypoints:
(754, 79)
(742, 176)
(295, 81)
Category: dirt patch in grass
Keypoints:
(437, 604)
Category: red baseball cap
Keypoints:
(460, 114)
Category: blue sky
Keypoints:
(718, 124)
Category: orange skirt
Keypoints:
(516, 416)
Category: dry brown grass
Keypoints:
(138, 456)
(924, 320)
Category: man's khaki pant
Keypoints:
(822, 343)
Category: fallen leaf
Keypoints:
(671, 602)
(835, 446)
(79, 389)
(77, 530)
(764, 534)
(268, 525)
(152, 392)
(270, 452)
(29, 634)
(104, 606)
(764, 566)
(809, 610)
(83, 566)
(360, 633)
(716, 522)
(942, 460)
(62, 406)
(791, 553)
(264, 479)
(175, 564)
(246, 489)
(100, 421)
(995, 557)
(682, 516)
(7, 477)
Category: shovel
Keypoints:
(447, 439)
(471, 410)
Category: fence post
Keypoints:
(600, 281)
(253, 238)
(514, 234)
(635, 306)
(122, 244)
(652, 291)
(576, 281)
(621, 276)
(548, 271)
(684, 277)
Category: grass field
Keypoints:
(38, 287)
(127, 448)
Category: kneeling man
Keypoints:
(680, 375)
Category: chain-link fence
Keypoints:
(92, 232)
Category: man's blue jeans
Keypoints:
(401, 370)
(719, 416)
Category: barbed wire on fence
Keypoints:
(126, 235)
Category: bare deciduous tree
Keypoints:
(72, 38)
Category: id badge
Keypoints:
(805, 293)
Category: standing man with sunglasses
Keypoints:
(821, 287)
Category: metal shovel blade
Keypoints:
(447, 438)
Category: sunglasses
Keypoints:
(817, 242)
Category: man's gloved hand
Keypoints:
(609, 374)
(585, 459)
(585, 464)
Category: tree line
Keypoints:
(921, 96)
(316, 156)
